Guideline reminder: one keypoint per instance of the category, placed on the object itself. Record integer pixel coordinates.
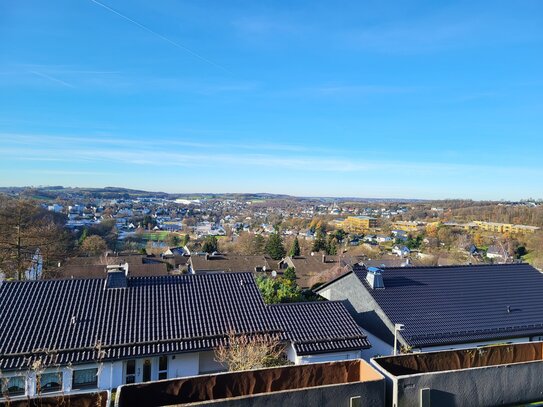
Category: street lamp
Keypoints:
(397, 328)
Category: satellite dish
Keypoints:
(274, 273)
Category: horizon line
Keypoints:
(530, 199)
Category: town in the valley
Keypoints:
(103, 289)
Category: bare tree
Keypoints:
(26, 227)
(94, 245)
(246, 352)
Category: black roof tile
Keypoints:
(183, 312)
(81, 320)
(459, 304)
(319, 327)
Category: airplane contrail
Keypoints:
(41, 74)
(175, 44)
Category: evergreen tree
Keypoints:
(210, 244)
(274, 247)
(83, 236)
(331, 246)
(290, 275)
(259, 244)
(185, 240)
(295, 248)
(173, 240)
(319, 243)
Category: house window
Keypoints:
(12, 386)
(356, 401)
(85, 378)
(146, 370)
(162, 367)
(130, 375)
(49, 382)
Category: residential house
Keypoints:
(387, 260)
(221, 263)
(309, 268)
(72, 334)
(401, 250)
(95, 266)
(439, 308)
(55, 208)
(473, 250)
(174, 251)
(496, 253)
(399, 235)
(370, 238)
(383, 238)
(177, 257)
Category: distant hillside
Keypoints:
(53, 192)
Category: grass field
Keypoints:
(156, 236)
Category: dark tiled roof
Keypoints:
(311, 270)
(95, 266)
(99, 271)
(230, 262)
(319, 327)
(455, 304)
(181, 313)
(76, 320)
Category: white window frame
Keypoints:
(4, 382)
(40, 390)
(93, 385)
(163, 371)
(125, 371)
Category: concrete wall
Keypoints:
(497, 375)
(324, 384)
(370, 394)
(478, 387)
(101, 399)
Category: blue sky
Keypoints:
(365, 98)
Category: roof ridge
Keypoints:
(179, 276)
(306, 303)
(455, 266)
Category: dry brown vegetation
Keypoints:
(246, 352)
